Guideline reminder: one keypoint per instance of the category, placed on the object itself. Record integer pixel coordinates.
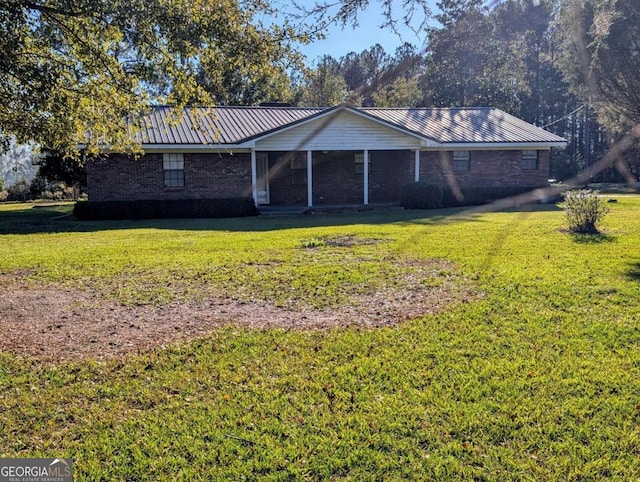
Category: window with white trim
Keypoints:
(173, 170)
(460, 161)
(299, 168)
(530, 160)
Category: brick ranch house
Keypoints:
(296, 156)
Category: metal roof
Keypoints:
(215, 125)
(465, 125)
(235, 125)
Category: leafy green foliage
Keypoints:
(584, 209)
(540, 379)
(77, 71)
(19, 191)
(602, 64)
(420, 195)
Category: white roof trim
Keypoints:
(496, 146)
(427, 145)
(194, 148)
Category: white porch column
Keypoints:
(366, 177)
(309, 178)
(416, 164)
(254, 177)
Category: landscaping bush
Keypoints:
(38, 186)
(19, 191)
(4, 195)
(584, 209)
(179, 208)
(481, 195)
(420, 195)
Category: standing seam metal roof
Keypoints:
(234, 125)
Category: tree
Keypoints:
(467, 63)
(324, 86)
(77, 70)
(601, 61)
(59, 167)
(401, 92)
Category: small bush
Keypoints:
(37, 187)
(482, 195)
(178, 208)
(584, 209)
(19, 191)
(420, 195)
(4, 195)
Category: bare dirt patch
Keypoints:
(54, 324)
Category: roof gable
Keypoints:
(339, 129)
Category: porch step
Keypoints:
(328, 209)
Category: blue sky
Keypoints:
(340, 41)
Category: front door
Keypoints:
(262, 171)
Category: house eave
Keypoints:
(495, 146)
(195, 148)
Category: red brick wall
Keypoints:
(282, 191)
(212, 175)
(486, 169)
(207, 175)
(389, 172)
(335, 180)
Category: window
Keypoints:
(460, 160)
(358, 162)
(299, 168)
(173, 168)
(530, 160)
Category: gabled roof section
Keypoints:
(237, 125)
(330, 113)
(465, 125)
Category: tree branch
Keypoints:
(50, 10)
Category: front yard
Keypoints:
(386, 345)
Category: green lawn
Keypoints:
(535, 378)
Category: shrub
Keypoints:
(178, 208)
(420, 195)
(4, 195)
(19, 191)
(583, 210)
(474, 196)
(37, 187)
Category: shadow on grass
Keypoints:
(35, 219)
(595, 238)
(31, 218)
(633, 272)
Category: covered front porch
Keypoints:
(324, 178)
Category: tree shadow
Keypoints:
(594, 238)
(634, 272)
(58, 219)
